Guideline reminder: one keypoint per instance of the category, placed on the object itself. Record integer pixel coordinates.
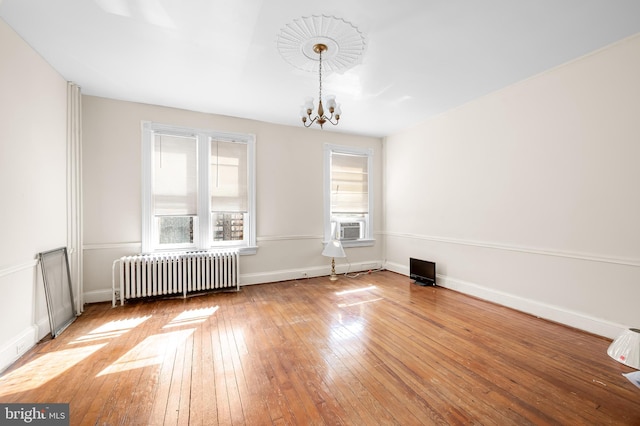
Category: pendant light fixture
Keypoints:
(321, 43)
(330, 101)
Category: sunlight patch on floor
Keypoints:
(44, 368)
(362, 302)
(149, 352)
(357, 296)
(355, 290)
(111, 329)
(193, 316)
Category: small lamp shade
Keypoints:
(330, 101)
(333, 249)
(308, 103)
(626, 348)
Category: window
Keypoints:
(198, 189)
(348, 195)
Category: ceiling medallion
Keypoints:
(345, 43)
(317, 42)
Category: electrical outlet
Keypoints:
(20, 347)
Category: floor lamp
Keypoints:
(333, 249)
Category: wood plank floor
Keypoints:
(370, 350)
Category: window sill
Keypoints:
(244, 250)
(356, 243)
(248, 250)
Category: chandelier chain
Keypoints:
(320, 74)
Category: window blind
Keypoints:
(228, 177)
(349, 184)
(175, 170)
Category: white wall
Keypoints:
(32, 188)
(529, 196)
(289, 173)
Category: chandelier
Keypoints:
(330, 101)
(335, 44)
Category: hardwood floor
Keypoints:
(371, 350)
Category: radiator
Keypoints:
(175, 274)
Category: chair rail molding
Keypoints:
(522, 249)
(18, 267)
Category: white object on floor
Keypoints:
(626, 348)
(634, 378)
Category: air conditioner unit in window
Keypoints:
(349, 230)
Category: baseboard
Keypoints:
(542, 310)
(97, 296)
(17, 347)
(282, 275)
(301, 273)
(44, 327)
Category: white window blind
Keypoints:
(228, 177)
(349, 184)
(175, 176)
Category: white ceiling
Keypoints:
(422, 57)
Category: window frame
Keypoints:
(368, 238)
(203, 227)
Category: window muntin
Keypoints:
(198, 189)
